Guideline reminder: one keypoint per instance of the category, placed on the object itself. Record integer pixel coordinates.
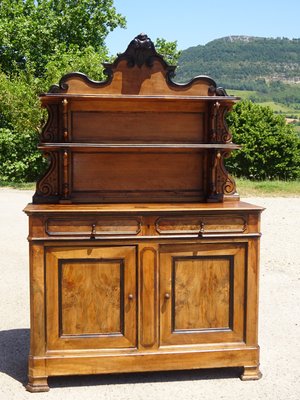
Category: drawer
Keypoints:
(93, 226)
(207, 224)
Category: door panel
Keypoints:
(202, 293)
(91, 297)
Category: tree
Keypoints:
(31, 31)
(41, 40)
(21, 116)
(168, 50)
(270, 146)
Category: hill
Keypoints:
(238, 61)
(264, 70)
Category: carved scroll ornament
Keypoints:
(222, 184)
(219, 132)
(50, 133)
(47, 190)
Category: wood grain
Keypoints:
(89, 300)
(202, 291)
(137, 127)
(134, 176)
(142, 257)
(91, 296)
(148, 297)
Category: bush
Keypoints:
(270, 146)
(39, 42)
(19, 159)
(22, 118)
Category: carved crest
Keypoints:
(140, 51)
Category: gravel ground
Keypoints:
(279, 322)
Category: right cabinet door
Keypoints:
(202, 293)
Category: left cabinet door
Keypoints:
(90, 297)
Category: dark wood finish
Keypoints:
(142, 257)
(108, 141)
(137, 127)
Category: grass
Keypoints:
(280, 108)
(246, 188)
(17, 185)
(244, 94)
(297, 129)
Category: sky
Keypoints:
(193, 22)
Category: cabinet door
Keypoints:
(202, 293)
(91, 297)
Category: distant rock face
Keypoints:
(239, 38)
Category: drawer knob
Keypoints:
(201, 231)
(130, 296)
(93, 232)
(167, 296)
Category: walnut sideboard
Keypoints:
(142, 256)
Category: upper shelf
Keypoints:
(137, 136)
(132, 146)
(129, 97)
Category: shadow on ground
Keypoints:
(145, 377)
(14, 349)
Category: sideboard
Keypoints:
(142, 256)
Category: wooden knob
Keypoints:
(130, 296)
(93, 231)
(167, 296)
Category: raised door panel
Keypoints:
(202, 293)
(91, 297)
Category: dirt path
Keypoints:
(279, 322)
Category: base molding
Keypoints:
(63, 365)
(38, 384)
(251, 374)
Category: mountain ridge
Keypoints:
(235, 60)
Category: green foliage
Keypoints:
(21, 116)
(270, 147)
(40, 41)
(278, 92)
(240, 59)
(274, 188)
(19, 162)
(73, 59)
(20, 119)
(32, 31)
(269, 67)
(168, 50)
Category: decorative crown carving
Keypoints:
(140, 51)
